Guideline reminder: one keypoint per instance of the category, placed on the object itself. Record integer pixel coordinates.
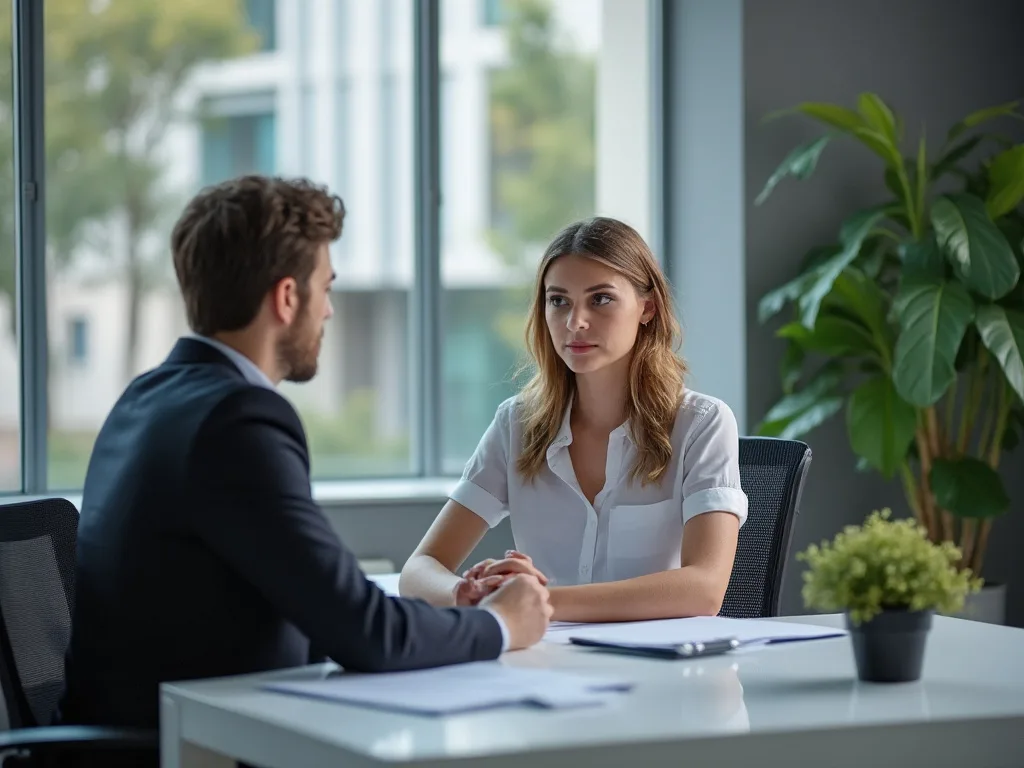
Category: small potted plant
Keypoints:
(890, 579)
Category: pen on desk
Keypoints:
(709, 647)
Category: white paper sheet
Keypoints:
(697, 629)
(458, 688)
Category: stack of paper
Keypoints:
(459, 688)
(692, 630)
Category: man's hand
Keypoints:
(522, 602)
(472, 591)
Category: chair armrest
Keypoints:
(56, 738)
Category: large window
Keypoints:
(146, 101)
(519, 116)
(133, 130)
(10, 400)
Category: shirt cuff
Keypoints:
(716, 500)
(476, 499)
(501, 625)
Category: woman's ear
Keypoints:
(650, 310)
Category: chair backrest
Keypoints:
(37, 572)
(772, 472)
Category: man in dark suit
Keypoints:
(200, 550)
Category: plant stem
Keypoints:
(968, 531)
(910, 491)
(1002, 418)
(925, 493)
(912, 213)
(950, 406)
(972, 402)
(979, 549)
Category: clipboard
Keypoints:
(686, 650)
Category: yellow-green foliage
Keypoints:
(884, 564)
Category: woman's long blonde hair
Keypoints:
(656, 371)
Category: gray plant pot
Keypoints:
(988, 605)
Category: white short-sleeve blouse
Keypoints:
(631, 529)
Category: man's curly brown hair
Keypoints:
(236, 240)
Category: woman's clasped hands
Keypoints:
(488, 575)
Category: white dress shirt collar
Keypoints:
(252, 372)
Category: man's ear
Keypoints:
(284, 300)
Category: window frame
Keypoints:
(425, 319)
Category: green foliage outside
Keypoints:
(885, 564)
(913, 321)
(542, 113)
(114, 72)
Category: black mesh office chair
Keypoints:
(772, 472)
(37, 583)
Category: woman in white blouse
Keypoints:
(623, 488)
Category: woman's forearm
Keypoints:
(687, 591)
(424, 577)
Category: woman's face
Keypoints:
(593, 313)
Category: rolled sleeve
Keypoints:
(483, 488)
(711, 471)
(473, 497)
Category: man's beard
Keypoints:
(299, 350)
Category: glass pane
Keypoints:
(521, 122)
(147, 101)
(10, 381)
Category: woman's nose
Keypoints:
(577, 320)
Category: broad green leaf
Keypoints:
(1002, 332)
(934, 314)
(922, 260)
(968, 487)
(872, 257)
(892, 183)
(881, 424)
(982, 116)
(823, 383)
(776, 299)
(878, 115)
(832, 335)
(1012, 228)
(811, 417)
(817, 256)
(879, 143)
(851, 238)
(791, 366)
(830, 114)
(861, 297)
(1006, 182)
(849, 122)
(978, 250)
(955, 154)
(800, 163)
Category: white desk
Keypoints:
(785, 705)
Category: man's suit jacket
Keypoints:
(201, 553)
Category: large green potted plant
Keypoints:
(889, 579)
(912, 322)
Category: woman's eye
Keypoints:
(600, 299)
(557, 301)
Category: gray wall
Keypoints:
(933, 61)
